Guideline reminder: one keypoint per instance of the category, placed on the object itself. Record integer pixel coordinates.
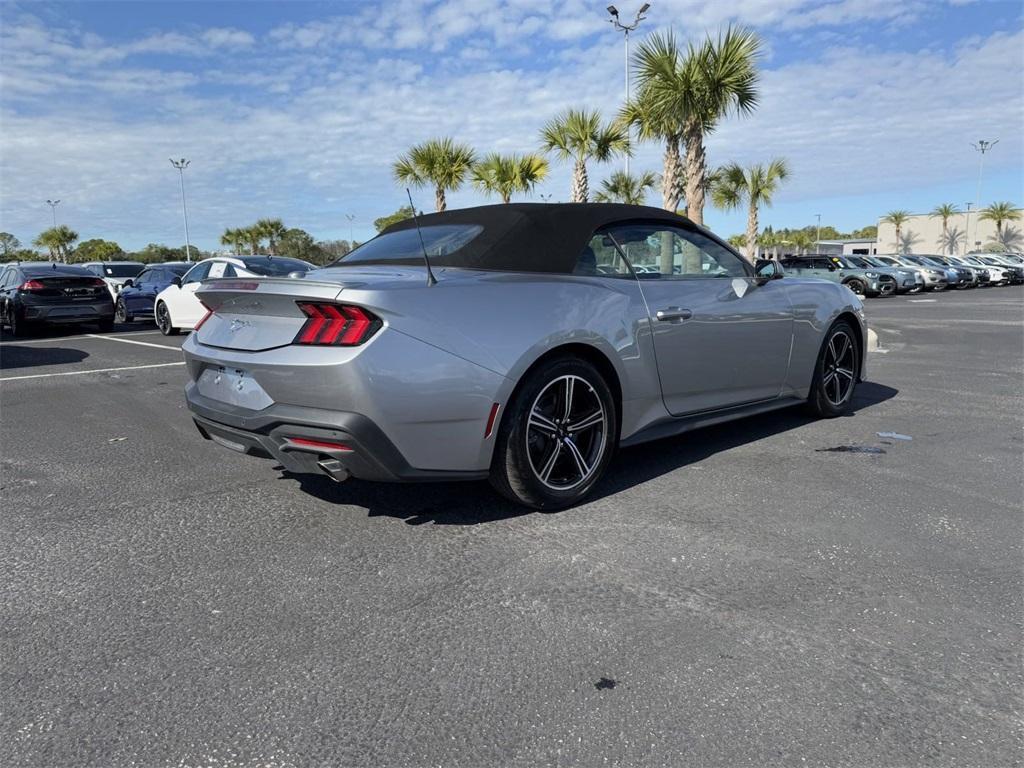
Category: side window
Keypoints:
(146, 276)
(7, 279)
(229, 271)
(197, 273)
(601, 257)
(656, 250)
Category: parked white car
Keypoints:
(114, 273)
(177, 307)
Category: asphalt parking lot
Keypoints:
(778, 591)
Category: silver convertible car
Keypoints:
(539, 338)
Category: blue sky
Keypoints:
(297, 109)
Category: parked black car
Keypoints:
(36, 293)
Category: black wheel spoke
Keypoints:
(566, 432)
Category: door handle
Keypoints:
(673, 314)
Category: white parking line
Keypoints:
(923, 301)
(66, 338)
(95, 370)
(132, 341)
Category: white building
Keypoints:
(850, 247)
(922, 233)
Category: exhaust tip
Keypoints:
(334, 469)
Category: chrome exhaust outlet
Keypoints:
(334, 469)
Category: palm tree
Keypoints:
(440, 163)
(505, 175)
(58, 240)
(754, 186)
(638, 113)
(946, 211)
(579, 136)
(802, 240)
(897, 219)
(623, 188)
(253, 236)
(1000, 213)
(236, 238)
(682, 97)
(273, 230)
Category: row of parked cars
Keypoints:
(889, 274)
(34, 293)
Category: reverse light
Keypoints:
(336, 325)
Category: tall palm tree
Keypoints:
(946, 211)
(622, 187)
(504, 175)
(440, 163)
(802, 240)
(272, 230)
(682, 96)
(1000, 213)
(651, 127)
(754, 186)
(579, 136)
(897, 219)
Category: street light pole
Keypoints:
(181, 165)
(625, 29)
(53, 209)
(817, 242)
(982, 146)
(351, 237)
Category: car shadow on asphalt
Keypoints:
(13, 357)
(477, 503)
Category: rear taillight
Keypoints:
(99, 282)
(32, 285)
(204, 318)
(336, 325)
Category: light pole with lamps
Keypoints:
(625, 29)
(181, 165)
(817, 242)
(53, 209)
(967, 228)
(982, 146)
(351, 237)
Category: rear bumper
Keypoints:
(371, 455)
(68, 313)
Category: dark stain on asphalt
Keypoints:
(851, 449)
(605, 684)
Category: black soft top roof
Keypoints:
(533, 237)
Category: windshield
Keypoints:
(121, 270)
(404, 245)
(840, 263)
(275, 266)
(178, 269)
(862, 263)
(887, 261)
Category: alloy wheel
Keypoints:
(839, 368)
(163, 319)
(567, 433)
(120, 313)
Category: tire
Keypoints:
(857, 285)
(829, 397)
(121, 312)
(106, 325)
(547, 456)
(19, 328)
(163, 320)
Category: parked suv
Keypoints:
(864, 282)
(936, 276)
(908, 280)
(33, 293)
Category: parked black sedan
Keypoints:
(37, 293)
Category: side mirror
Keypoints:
(176, 281)
(127, 283)
(766, 269)
(831, 267)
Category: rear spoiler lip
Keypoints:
(234, 291)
